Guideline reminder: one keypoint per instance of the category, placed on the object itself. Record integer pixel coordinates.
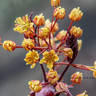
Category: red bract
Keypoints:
(46, 91)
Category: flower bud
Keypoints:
(28, 44)
(44, 32)
(79, 42)
(9, 45)
(76, 78)
(32, 58)
(55, 3)
(68, 52)
(39, 20)
(59, 13)
(55, 27)
(35, 85)
(76, 31)
(61, 35)
(43, 44)
(62, 87)
(48, 25)
(30, 33)
(76, 14)
(82, 94)
(52, 76)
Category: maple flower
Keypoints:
(9, 45)
(61, 35)
(59, 13)
(82, 94)
(76, 31)
(68, 52)
(62, 87)
(54, 28)
(44, 32)
(32, 58)
(55, 3)
(24, 25)
(52, 76)
(76, 14)
(49, 58)
(35, 85)
(43, 44)
(28, 44)
(76, 78)
(39, 20)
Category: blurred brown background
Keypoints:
(14, 74)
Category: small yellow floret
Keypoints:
(61, 35)
(35, 85)
(76, 14)
(9, 45)
(23, 25)
(52, 76)
(48, 25)
(68, 52)
(55, 3)
(77, 78)
(44, 32)
(39, 20)
(32, 58)
(59, 13)
(76, 31)
(49, 58)
(28, 44)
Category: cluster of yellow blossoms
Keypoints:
(49, 58)
(41, 41)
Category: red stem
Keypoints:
(43, 72)
(64, 40)
(51, 29)
(43, 51)
(38, 37)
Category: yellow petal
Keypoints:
(33, 65)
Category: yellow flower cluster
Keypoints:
(52, 76)
(49, 58)
(9, 45)
(28, 44)
(76, 14)
(24, 25)
(35, 85)
(32, 58)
